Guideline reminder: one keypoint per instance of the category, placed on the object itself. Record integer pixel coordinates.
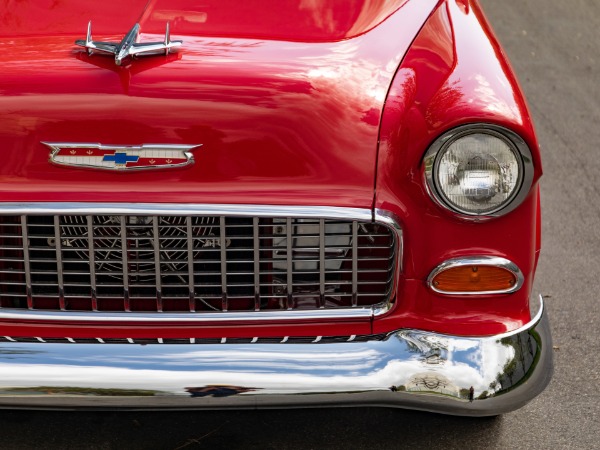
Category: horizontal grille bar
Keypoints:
(194, 264)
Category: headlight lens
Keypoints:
(478, 170)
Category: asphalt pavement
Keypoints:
(554, 46)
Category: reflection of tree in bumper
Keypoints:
(520, 367)
(215, 390)
(80, 391)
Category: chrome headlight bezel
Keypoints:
(516, 144)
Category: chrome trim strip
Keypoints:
(190, 263)
(321, 263)
(223, 253)
(26, 262)
(256, 255)
(125, 259)
(537, 317)
(479, 261)
(59, 263)
(183, 209)
(92, 262)
(157, 271)
(289, 264)
(514, 140)
(354, 264)
(408, 369)
(390, 219)
(18, 315)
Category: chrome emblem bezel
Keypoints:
(121, 158)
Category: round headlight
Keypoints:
(479, 170)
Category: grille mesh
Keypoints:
(192, 263)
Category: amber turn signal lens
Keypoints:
(474, 278)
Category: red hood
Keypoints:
(295, 20)
(297, 121)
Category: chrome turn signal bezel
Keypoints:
(494, 261)
(513, 140)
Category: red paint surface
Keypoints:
(454, 74)
(302, 118)
(281, 122)
(180, 331)
(292, 20)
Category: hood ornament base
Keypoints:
(128, 47)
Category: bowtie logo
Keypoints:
(121, 158)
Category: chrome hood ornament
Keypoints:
(121, 158)
(128, 47)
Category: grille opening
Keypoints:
(199, 264)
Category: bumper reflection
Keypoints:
(414, 369)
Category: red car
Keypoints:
(266, 204)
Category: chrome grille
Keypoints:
(173, 235)
(199, 263)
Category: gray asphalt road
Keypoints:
(555, 49)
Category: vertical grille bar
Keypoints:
(322, 263)
(92, 259)
(223, 245)
(26, 263)
(290, 264)
(256, 264)
(190, 261)
(156, 239)
(124, 259)
(354, 263)
(59, 263)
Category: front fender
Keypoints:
(455, 73)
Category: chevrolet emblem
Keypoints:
(114, 157)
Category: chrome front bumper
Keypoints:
(407, 369)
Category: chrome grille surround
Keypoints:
(276, 262)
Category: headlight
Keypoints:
(479, 170)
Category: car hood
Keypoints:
(284, 98)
